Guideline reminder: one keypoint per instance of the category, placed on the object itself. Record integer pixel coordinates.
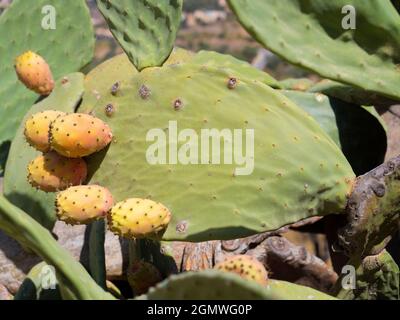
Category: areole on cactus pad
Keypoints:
(298, 171)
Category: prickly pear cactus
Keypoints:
(246, 266)
(65, 97)
(78, 135)
(37, 129)
(365, 56)
(145, 29)
(142, 276)
(228, 286)
(83, 204)
(34, 72)
(51, 172)
(40, 26)
(136, 218)
(290, 181)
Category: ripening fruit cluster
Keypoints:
(64, 140)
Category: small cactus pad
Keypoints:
(78, 135)
(142, 275)
(34, 73)
(37, 129)
(245, 266)
(83, 204)
(139, 218)
(145, 29)
(52, 172)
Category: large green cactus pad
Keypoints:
(298, 171)
(217, 285)
(74, 281)
(310, 34)
(67, 48)
(377, 277)
(40, 205)
(145, 29)
(358, 131)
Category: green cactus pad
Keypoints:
(310, 34)
(66, 49)
(377, 278)
(74, 281)
(358, 131)
(217, 285)
(299, 171)
(39, 205)
(145, 29)
(33, 286)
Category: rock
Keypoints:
(4, 294)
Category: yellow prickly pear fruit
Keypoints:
(142, 276)
(139, 218)
(51, 172)
(78, 135)
(34, 73)
(83, 204)
(37, 129)
(247, 267)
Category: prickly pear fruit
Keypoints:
(37, 129)
(51, 172)
(142, 276)
(78, 135)
(34, 73)
(83, 204)
(245, 266)
(139, 218)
